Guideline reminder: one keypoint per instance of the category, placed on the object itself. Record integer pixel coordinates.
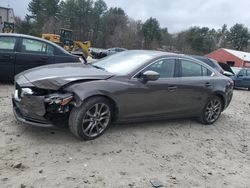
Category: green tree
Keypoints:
(166, 39)
(68, 15)
(220, 37)
(78, 15)
(238, 36)
(25, 26)
(113, 21)
(43, 10)
(151, 32)
(99, 10)
(45, 7)
(200, 39)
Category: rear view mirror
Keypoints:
(150, 76)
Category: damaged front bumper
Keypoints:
(28, 120)
(26, 113)
(39, 110)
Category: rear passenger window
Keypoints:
(50, 50)
(191, 69)
(7, 43)
(34, 46)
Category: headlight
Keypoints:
(26, 91)
(58, 102)
(59, 99)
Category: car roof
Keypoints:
(199, 56)
(211, 62)
(156, 54)
(203, 58)
(31, 37)
(161, 54)
(151, 53)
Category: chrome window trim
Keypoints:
(178, 58)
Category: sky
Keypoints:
(176, 15)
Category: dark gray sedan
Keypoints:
(21, 52)
(131, 85)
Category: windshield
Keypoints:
(124, 63)
(236, 70)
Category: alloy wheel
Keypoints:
(213, 110)
(96, 119)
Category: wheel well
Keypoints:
(222, 99)
(113, 103)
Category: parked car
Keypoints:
(242, 77)
(21, 52)
(128, 86)
(112, 51)
(213, 63)
(98, 54)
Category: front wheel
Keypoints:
(212, 111)
(92, 119)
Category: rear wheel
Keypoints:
(212, 111)
(92, 119)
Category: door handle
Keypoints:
(208, 84)
(172, 88)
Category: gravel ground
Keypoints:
(180, 153)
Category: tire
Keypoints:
(91, 119)
(249, 89)
(211, 111)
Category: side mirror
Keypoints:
(150, 76)
(240, 75)
(226, 73)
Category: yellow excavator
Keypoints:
(65, 39)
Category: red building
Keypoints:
(231, 57)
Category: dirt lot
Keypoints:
(179, 153)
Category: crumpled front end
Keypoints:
(40, 107)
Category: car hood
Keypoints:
(57, 75)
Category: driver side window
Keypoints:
(165, 67)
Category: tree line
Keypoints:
(111, 27)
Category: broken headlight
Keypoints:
(58, 103)
(26, 91)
